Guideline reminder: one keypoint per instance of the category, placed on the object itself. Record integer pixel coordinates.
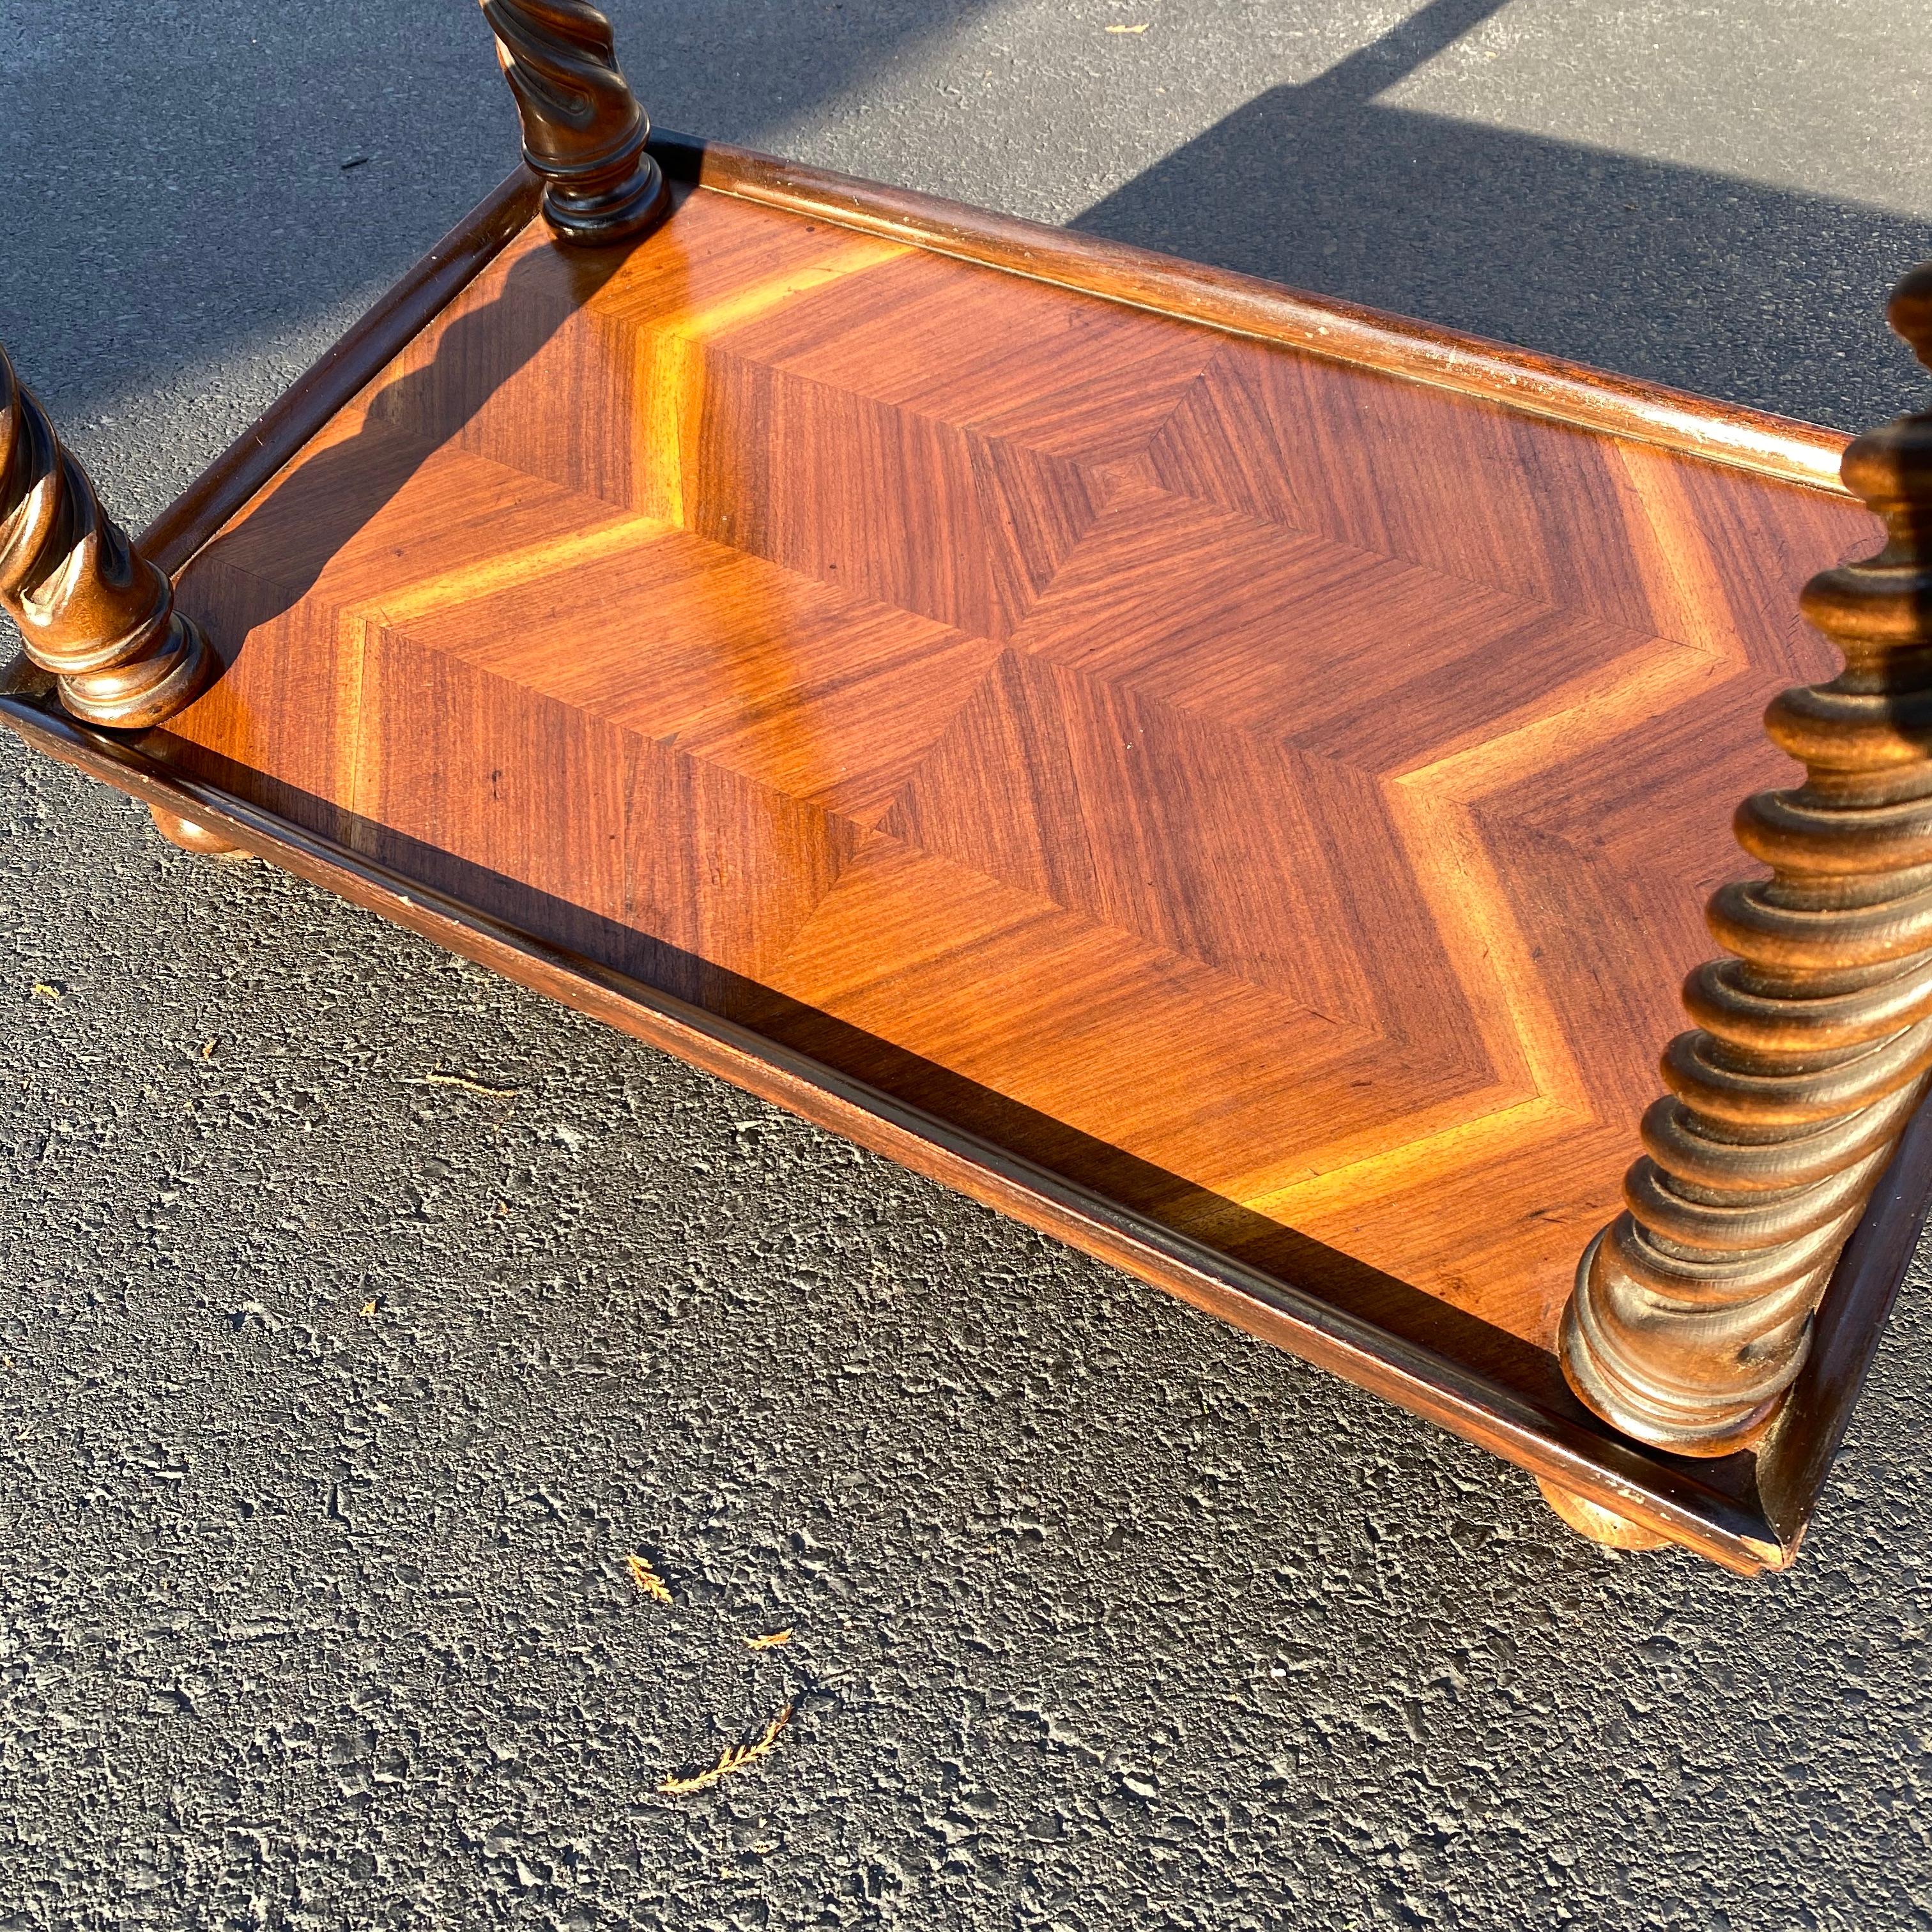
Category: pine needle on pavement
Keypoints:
(648, 1583)
(733, 1757)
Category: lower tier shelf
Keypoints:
(1243, 810)
(1748, 1511)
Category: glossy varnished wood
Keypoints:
(1763, 444)
(1748, 1513)
(1325, 770)
(1619, 406)
(1254, 803)
(584, 131)
(96, 614)
(1812, 1045)
(306, 405)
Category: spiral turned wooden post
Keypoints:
(1692, 1311)
(583, 130)
(94, 611)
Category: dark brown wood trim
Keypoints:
(93, 612)
(1686, 1325)
(583, 130)
(222, 489)
(1795, 1459)
(1543, 385)
(1540, 386)
(1570, 1450)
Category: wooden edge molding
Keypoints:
(224, 487)
(1545, 386)
(1445, 359)
(1811, 1046)
(1614, 1471)
(1571, 1451)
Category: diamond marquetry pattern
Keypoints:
(1276, 795)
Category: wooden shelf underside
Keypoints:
(1252, 806)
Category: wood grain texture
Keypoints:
(94, 613)
(1566, 391)
(583, 130)
(1323, 769)
(1812, 1046)
(1238, 808)
(1747, 1513)
(1527, 383)
(306, 405)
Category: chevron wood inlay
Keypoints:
(1277, 795)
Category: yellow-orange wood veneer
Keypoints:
(1275, 794)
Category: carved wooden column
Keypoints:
(94, 611)
(1692, 1311)
(583, 130)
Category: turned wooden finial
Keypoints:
(1692, 1311)
(94, 611)
(583, 130)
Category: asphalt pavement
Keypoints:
(374, 1334)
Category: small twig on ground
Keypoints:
(464, 1081)
(733, 1757)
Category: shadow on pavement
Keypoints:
(1710, 283)
(166, 216)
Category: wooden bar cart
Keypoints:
(1225, 776)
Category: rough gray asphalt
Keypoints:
(333, 1397)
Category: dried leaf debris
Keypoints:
(648, 1583)
(738, 1757)
(733, 1757)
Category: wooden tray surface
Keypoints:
(1272, 795)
